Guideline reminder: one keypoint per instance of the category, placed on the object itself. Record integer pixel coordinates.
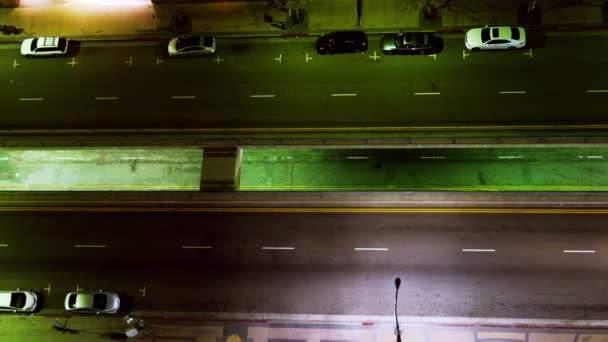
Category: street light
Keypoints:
(397, 332)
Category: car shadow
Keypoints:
(74, 48)
(126, 303)
(536, 40)
(438, 44)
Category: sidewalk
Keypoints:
(140, 19)
(313, 328)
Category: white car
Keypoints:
(495, 38)
(45, 46)
(92, 302)
(18, 301)
(191, 46)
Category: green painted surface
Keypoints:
(133, 169)
(503, 169)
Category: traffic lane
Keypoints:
(562, 242)
(262, 78)
(323, 289)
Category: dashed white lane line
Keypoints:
(587, 251)
(336, 95)
(357, 157)
(512, 92)
(597, 91)
(370, 249)
(183, 97)
(431, 93)
(31, 99)
(510, 157)
(432, 157)
(106, 98)
(196, 247)
(90, 246)
(478, 250)
(263, 95)
(279, 248)
(595, 157)
(3, 245)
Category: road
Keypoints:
(453, 264)
(265, 83)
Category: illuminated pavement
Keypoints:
(291, 169)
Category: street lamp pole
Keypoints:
(397, 331)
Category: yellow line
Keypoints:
(321, 210)
(305, 129)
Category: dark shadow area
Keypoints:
(126, 303)
(74, 47)
(429, 18)
(181, 22)
(529, 17)
(10, 29)
(605, 13)
(536, 40)
(438, 44)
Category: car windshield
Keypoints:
(34, 44)
(72, 301)
(62, 43)
(187, 41)
(485, 34)
(208, 41)
(18, 300)
(515, 33)
(99, 301)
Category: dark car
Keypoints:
(409, 43)
(342, 42)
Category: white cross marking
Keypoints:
(434, 56)
(78, 288)
(464, 54)
(374, 57)
(130, 61)
(308, 58)
(280, 58)
(529, 53)
(48, 290)
(143, 291)
(15, 64)
(158, 61)
(218, 60)
(73, 62)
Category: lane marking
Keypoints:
(370, 249)
(130, 61)
(280, 58)
(464, 54)
(512, 92)
(143, 291)
(308, 58)
(31, 99)
(158, 61)
(529, 53)
(588, 251)
(196, 247)
(90, 246)
(375, 56)
(476, 250)
(106, 98)
(431, 93)
(597, 91)
(4, 158)
(510, 157)
(73, 62)
(434, 56)
(343, 94)
(432, 157)
(15, 64)
(357, 157)
(263, 95)
(595, 157)
(219, 59)
(3, 245)
(279, 248)
(183, 97)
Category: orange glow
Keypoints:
(83, 3)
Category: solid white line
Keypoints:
(31, 99)
(4, 158)
(343, 94)
(513, 92)
(278, 248)
(357, 157)
(269, 95)
(196, 247)
(183, 97)
(597, 91)
(432, 157)
(90, 246)
(595, 157)
(479, 250)
(510, 157)
(437, 93)
(579, 251)
(106, 98)
(370, 249)
(3, 245)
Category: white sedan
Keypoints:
(495, 38)
(191, 46)
(92, 302)
(18, 301)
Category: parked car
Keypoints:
(18, 301)
(495, 38)
(409, 43)
(92, 302)
(44, 46)
(191, 46)
(342, 42)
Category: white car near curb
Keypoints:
(191, 46)
(495, 38)
(91, 302)
(44, 46)
(18, 301)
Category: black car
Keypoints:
(409, 43)
(342, 42)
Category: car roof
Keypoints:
(47, 42)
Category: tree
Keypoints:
(292, 7)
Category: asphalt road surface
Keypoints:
(452, 264)
(283, 83)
